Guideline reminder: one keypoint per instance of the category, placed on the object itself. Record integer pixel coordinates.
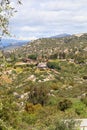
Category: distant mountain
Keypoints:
(12, 43)
(61, 35)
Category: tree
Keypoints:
(6, 12)
(64, 104)
(33, 56)
(53, 65)
(38, 95)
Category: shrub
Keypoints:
(54, 56)
(28, 118)
(85, 77)
(38, 95)
(80, 109)
(79, 59)
(66, 125)
(53, 65)
(64, 104)
(33, 56)
(30, 108)
(84, 100)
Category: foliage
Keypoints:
(35, 98)
(38, 95)
(64, 104)
(33, 56)
(30, 108)
(53, 65)
(54, 56)
(84, 100)
(80, 109)
(6, 12)
(66, 125)
(4, 126)
(85, 77)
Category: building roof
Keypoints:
(42, 65)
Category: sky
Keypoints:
(44, 18)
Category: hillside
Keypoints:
(43, 82)
(72, 47)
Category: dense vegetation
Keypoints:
(44, 83)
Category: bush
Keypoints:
(53, 65)
(84, 100)
(38, 95)
(33, 56)
(30, 108)
(85, 77)
(80, 109)
(54, 56)
(63, 105)
(28, 118)
(65, 125)
(4, 126)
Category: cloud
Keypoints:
(26, 38)
(63, 5)
(47, 17)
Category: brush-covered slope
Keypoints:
(42, 82)
(71, 47)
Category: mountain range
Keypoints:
(61, 35)
(12, 43)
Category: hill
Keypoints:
(43, 83)
(70, 46)
(61, 35)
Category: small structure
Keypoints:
(42, 65)
(83, 125)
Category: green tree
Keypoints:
(38, 95)
(64, 104)
(6, 12)
(33, 56)
(53, 65)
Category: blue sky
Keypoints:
(40, 18)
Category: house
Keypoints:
(42, 65)
(83, 124)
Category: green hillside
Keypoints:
(43, 82)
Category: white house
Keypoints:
(83, 125)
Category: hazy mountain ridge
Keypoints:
(61, 35)
(12, 42)
(7, 43)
